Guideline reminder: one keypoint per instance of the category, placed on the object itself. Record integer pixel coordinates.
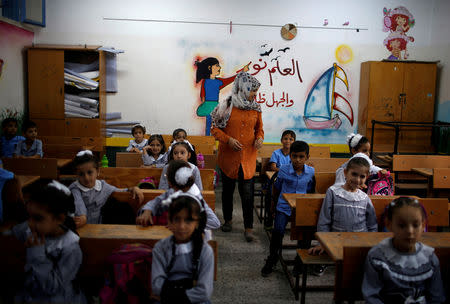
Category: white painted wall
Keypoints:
(155, 72)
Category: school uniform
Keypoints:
(8, 146)
(279, 158)
(183, 268)
(164, 183)
(35, 149)
(50, 268)
(288, 181)
(159, 162)
(391, 276)
(157, 208)
(133, 144)
(89, 201)
(346, 211)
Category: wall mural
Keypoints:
(397, 22)
(318, 107)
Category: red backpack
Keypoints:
(379, 184)
(129, 280)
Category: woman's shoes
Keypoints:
(227, 227)
(249, 237)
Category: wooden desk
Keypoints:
(334, 243)
(428, 172)
(62, 162)
(26, 180)
(291, 198)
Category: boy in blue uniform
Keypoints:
(281, 156)
(9, 140)
(30, 147)
(296, 177)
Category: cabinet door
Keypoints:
(46, 83)
(50, 127)
(419, 86)
(83, 127)
(386, 81)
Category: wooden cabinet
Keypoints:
(46, 94)
(397, 91)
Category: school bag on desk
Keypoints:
(379, 184)
(129, 278)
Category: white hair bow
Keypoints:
(185, 141)
(182, 175)
(83, 152)
(353, 139)
(178, 194)
(57, 185)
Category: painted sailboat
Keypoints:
(323, 102)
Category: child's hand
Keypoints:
(145, 219)
(383, 172)
(80, 221)
(363, 186)
(34, 240)
(258, 143)
(316, 250)
(137, 193)
(234, 144)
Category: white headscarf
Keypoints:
(244, 83)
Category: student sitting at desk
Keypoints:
(30, 147)
(139, 142)
(90, 193)
(346, 207)
(296, 177)
(401, 269)
(9, 140)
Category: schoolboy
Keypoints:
(281, 156)
(30, 147)
(9, 140)
(296, 177)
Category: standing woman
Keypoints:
(237, 125)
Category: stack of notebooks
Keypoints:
(83, 77)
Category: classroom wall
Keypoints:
(156, 74)
(13, 39)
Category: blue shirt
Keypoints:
(8, 146)
(288, 181)
(36, 148)
(212, 88)
(279, 158)
(4, 176)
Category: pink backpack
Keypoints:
(129, 280)
(379, 184)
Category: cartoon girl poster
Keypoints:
(208, 71)
(398, 22)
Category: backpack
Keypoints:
(379, 184)
(148, 183)
(129, 278)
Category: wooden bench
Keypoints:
(202, 143)
(130, 177)
(353, 262)
(134, 160)
(44, 167)
(407, 180)
(63, 150)
(314, 151)
(326, 164)
(208, 196)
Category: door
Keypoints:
(46, 83)
(419, 86)
(386, 82)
